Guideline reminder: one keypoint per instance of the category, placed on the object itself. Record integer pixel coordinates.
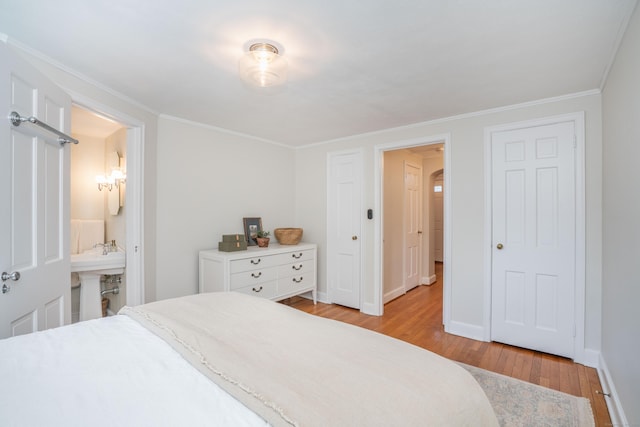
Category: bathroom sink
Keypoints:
(93, 260)
(90, 265)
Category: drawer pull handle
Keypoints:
(255, 276)
(297, 256)
(296, 267)
(255, 261)
(298, 280)
(256, 290)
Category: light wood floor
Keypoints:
(416, 317)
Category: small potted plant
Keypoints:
(263, 238)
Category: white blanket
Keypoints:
(108, 372)
(297, 369)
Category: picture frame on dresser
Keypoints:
(251, 227)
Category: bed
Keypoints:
(229, 359)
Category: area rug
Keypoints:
(519, 403)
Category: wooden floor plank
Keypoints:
(416, 317)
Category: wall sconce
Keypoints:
(263, 66)
(109, 181)
(104, 182)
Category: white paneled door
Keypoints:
(534, 237)
(34, 212)
(412, 225)
(344, 223)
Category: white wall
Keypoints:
(87, 161)
(467, 200)
(208, 180)
(116, 225)
(621, 213)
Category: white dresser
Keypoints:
(276, 272)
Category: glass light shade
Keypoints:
(262, 66)
(117, 174)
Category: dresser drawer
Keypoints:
(253, 263)
(263, 290)
(296, 268)
(291, 284)
(251, 277)
(296, 256)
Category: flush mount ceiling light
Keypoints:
(263, 66)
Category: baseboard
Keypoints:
(465, 330)
(320, 297)
(590, 358)
(397, 292)
(370, 309)
(323, 297)
(429, 280)
(613, 402)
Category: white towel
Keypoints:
(74, 242)
(91, 232)
(85, 233)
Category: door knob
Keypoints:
(499, 246)
(354, 237)
(15, 276)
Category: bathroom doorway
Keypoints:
(105, 185)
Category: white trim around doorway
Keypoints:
(377, 307)
(134, 195)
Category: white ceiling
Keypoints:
(354, 66)
(86, 123)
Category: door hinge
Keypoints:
(574, 330)
(575, 141)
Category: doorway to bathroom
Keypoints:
(105, 187)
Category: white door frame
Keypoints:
(580, 290)
(134, 220)
(377, 307)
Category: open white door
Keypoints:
(534, 237)
(34, 213)
(412, 225)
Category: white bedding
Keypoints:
(296, 369)
(108, 372)
(227, 359)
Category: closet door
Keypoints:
(534, 237)
(344, 223)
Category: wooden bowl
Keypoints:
(288, 236)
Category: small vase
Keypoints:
(263, 242)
